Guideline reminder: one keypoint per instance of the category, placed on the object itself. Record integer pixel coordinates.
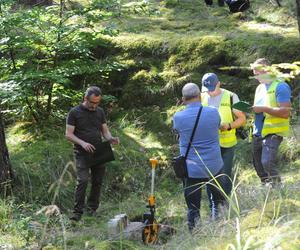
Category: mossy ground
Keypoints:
(162, 48)
(265, 216)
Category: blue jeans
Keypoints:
(192, 194)
(264, 157)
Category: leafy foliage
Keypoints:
(43, 50)
(53, 53)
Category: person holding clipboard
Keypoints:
(85, 127)
(272, 105)
(231, 119)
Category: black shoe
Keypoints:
(75, 217)
(209, 2)
(275, 185)
(91, 213)
(221, 3)
(265, 181)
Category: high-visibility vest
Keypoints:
(272, 124)
(227, 138)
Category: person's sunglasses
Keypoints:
(96, 103)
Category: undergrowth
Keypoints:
(265, 216)
(160, 48)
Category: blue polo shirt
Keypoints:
(283, 94)
(205, 141)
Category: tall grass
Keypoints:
(53, 209)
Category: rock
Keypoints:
(117, 224)
(120, 226)
(133, 231)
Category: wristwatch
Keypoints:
(229, 127)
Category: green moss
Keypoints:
(141, 45)
(142, 89)
(159, 54)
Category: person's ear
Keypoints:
(183, 99)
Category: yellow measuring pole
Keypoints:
(154, 163)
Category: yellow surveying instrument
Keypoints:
(150, 231)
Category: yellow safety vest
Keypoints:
(272, 124)
(227, 138)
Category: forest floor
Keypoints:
(259, 217)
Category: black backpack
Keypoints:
(238, 5)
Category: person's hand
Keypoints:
(259, 109)
(88, 147)
(224, 126)
(114, 140)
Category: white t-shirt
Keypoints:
(216, 100)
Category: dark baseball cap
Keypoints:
(209, 82)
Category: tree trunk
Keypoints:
(5, 166)
(298, 14)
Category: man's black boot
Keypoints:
(209, 2)
(75, 217)
(221, 3)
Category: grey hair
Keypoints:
(190, 90)
(93, 90)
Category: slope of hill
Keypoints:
(161, 45)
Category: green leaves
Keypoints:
(45, 49)
(286, 71)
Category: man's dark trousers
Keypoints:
(227, 156)
(225, 180)
(264, 157)
(192, 195)
(83, 174)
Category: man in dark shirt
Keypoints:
(85, 126)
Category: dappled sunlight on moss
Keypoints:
(293, 177)
(9, 240)
(264, 28)
(247, 176)
(146, 142)
(16, 135)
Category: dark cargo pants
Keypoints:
(264, 157)
(84, 172)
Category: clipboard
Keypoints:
(243, 106)
(102, 154)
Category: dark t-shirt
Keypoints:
(87, 124)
